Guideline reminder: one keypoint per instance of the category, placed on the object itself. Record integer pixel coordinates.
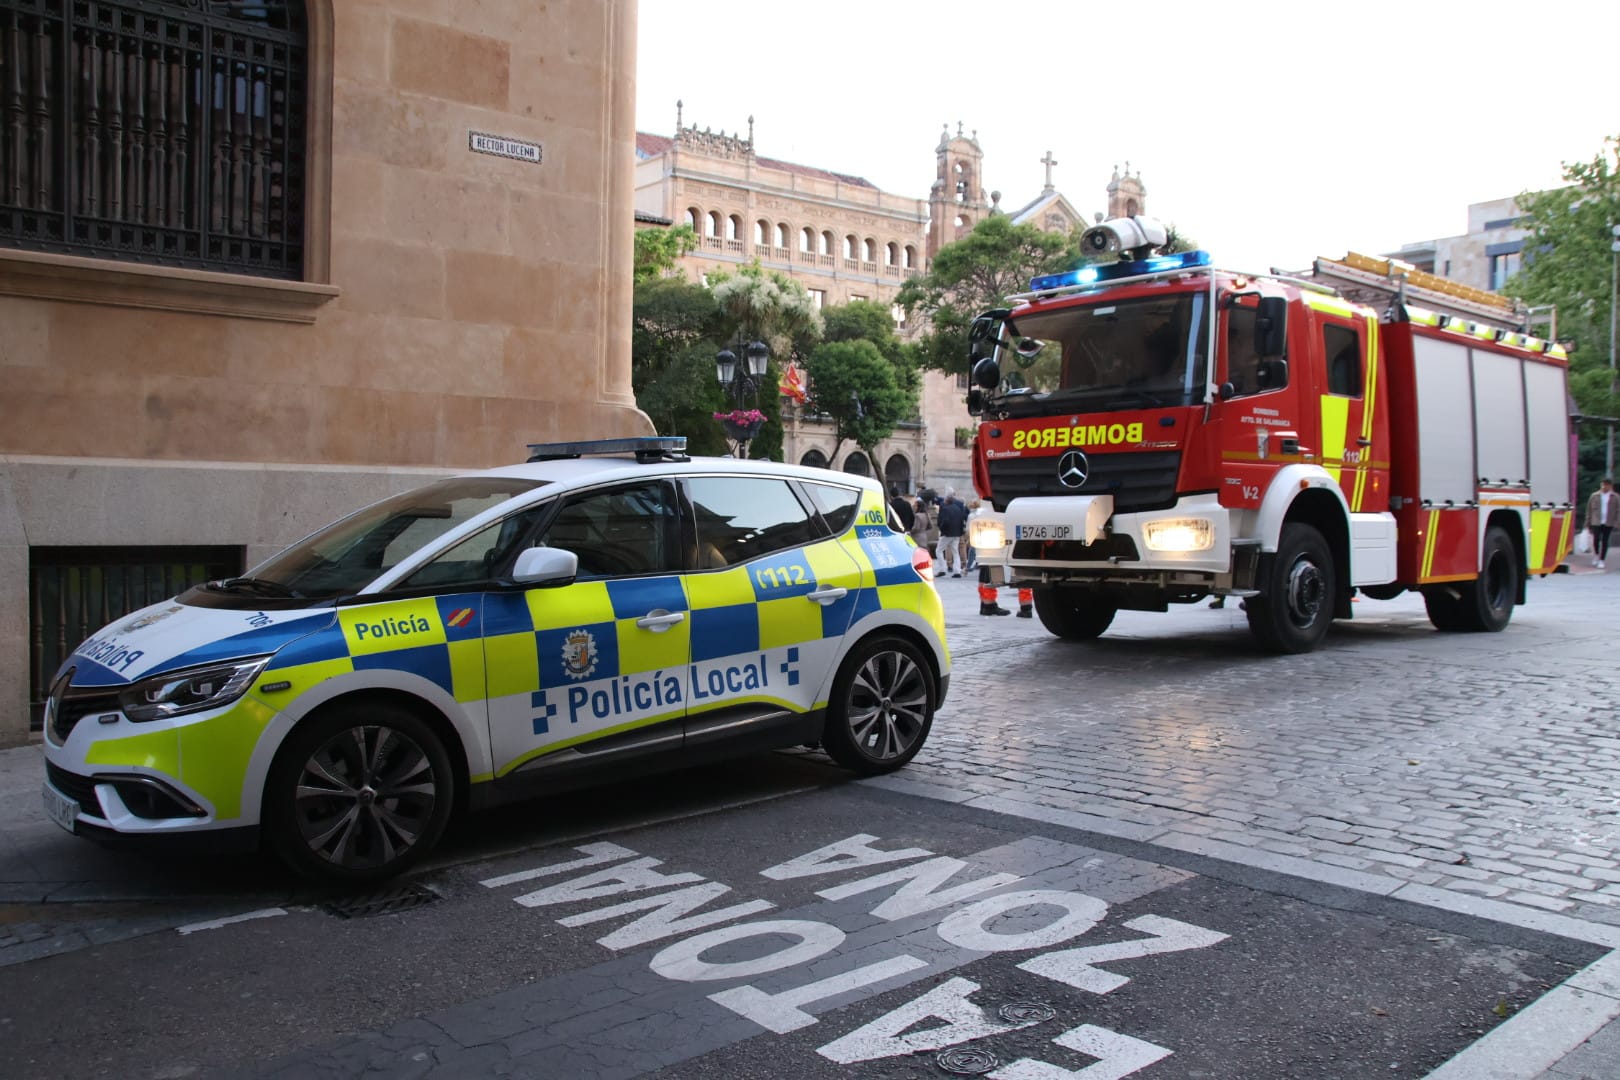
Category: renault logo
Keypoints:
(1073, 468)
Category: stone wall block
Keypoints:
(442, 62)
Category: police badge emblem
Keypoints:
(142, 621)
(579, 654)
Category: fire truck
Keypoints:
(1298, 441)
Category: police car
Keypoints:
(608, 607)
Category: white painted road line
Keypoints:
(215, 924)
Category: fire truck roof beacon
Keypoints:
(1096, 275)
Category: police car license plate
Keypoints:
(1044, 532)
(60, 809)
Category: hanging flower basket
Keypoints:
(741, 424)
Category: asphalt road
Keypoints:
(1347, 864)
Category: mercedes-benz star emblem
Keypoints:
(1073, 468)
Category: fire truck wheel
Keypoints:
(1486, 604)
(1295, 605)
(882, 706)
(1066, 613)
(1444, 608)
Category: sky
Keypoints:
(1270, 133)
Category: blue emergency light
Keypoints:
(1096, 275)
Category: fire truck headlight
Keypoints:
(1179, 534)
(987, 532)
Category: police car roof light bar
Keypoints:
(647, 450)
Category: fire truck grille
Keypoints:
(1144, 481)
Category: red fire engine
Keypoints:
(1268, 437)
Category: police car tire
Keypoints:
(1301, 550)
(1069, 618)
(855, 719)
(282, 831)
(1486, 603)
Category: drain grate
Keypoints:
(386, 901)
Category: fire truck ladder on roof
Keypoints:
(1371, 281)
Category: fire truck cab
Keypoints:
(1269, 437)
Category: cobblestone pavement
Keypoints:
(1480, 765)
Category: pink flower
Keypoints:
(742, 417)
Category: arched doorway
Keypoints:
(814, 459)
(897, 475)
(856, 463)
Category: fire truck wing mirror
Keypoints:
(1027, 349)
(1271, 374)
(1228, 391)
(1271, 327)
(987, 373)
(985, 333)
(975, 402)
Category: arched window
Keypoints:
(169, 134)
(694, 218)
(869, 250)
(762, 233)
(856, 463)
(826, 243)
(1132, 208)
(891, 254)
(807, 240)
(911, 257)
(711, 225)
(814, 459)
(849, 247)
(781, 236)
(897, 475)
(733, 227)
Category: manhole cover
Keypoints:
(384, 901)
(966, 1060)
(1020, 1011)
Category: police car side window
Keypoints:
(837, 505)
(620, 531)
(482, 556)
(740, 518)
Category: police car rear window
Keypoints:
(743, 517)
(837, 505)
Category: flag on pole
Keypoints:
(791, 384)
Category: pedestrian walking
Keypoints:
(1602, 515)
(922, 522)
(904, 512)
(952, 517)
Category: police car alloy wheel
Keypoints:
(359, 794)
(882, 707)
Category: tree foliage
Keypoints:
(658, 250)
(765, 305)
(972, 275)
(1568, 264)
(857, 386)
(674, 326)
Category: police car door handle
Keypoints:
(828, 595)
(660, 620)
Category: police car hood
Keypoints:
(171, 635)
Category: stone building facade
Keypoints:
(1484, 257)
(836, 234)
(398, 242)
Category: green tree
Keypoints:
(674, 329)
(866, 320)
(1568, 265)
(756, 304)
(858, 387)
(658, 250)
(972, 275)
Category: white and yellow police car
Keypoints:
(606, 608)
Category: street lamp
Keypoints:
(742, 382)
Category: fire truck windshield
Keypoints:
(1119, 354)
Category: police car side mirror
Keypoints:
(545, 566)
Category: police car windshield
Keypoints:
(345, 557)
(1118, 354)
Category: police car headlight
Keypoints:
(1179, 534)
(179, 692)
